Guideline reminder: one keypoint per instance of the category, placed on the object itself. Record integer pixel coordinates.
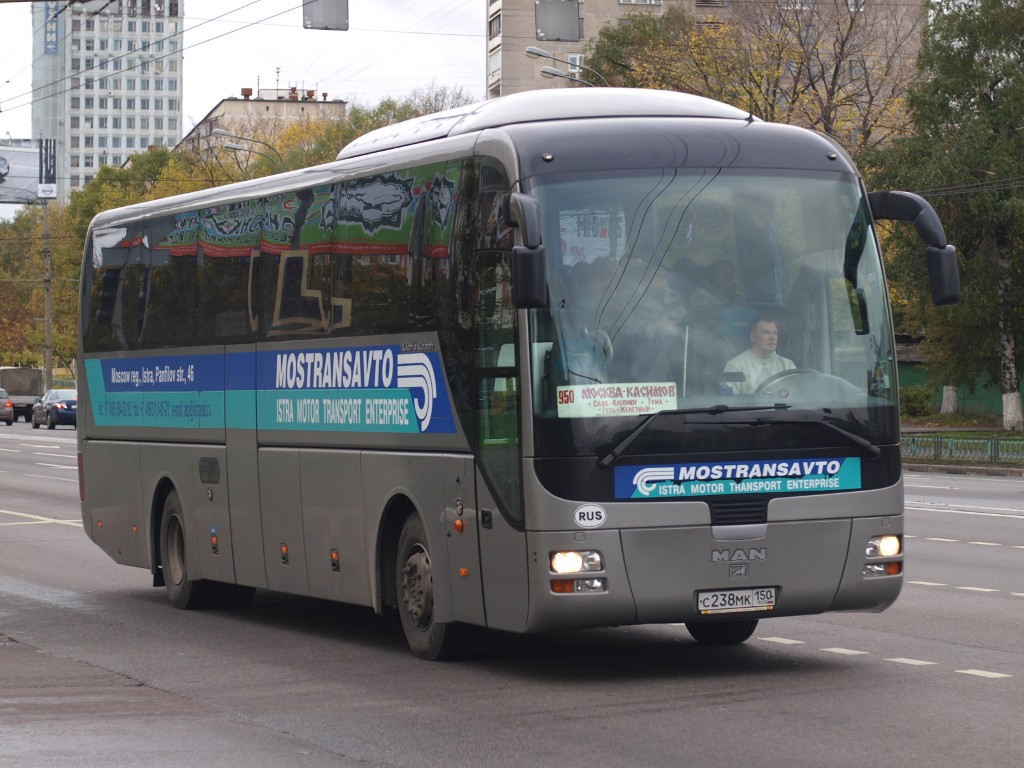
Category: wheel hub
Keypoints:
(417, 588)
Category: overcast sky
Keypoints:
(392, 48)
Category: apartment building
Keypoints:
(106, 81)
(560, 27)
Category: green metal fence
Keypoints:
(969, 450)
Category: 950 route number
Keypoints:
(736, 600)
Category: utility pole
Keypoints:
(48, 311)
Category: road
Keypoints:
(96, 669)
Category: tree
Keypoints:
(838, 66)
(966, 148)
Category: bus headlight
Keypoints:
(884, 546)
(576, 562)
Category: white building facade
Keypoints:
(106, 81)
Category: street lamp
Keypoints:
(225, 134)
(230, 145)
(550, 72)
(539, 53)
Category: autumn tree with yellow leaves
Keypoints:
(838, 66)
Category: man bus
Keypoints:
(379, 381)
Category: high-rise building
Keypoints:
(106, 81)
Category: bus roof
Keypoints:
(533, 106)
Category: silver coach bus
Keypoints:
(492, 368)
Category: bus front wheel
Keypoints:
(722, 633)
(427, 638)
(182, 591)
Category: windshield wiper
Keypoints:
(822, 422)
(712, 410)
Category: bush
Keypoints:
(917, 400)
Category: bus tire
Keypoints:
(182, 591)
(428, 639)
(723, 632)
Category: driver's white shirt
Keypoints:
(755, 369)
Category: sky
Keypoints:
(392, 48)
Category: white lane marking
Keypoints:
(995, 511)
(1017, 594)
(845, 651)
(56, 455)
(57, 466)
(985, 543)
(781, 640)
(978, 589)
(55, 479)
(928, 583)
(40, 518)
(912, 662)
(937, 538)
(10, 450)
(982, 673)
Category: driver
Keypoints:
(761, 361)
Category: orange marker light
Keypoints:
(459, 525)
(463, 572)
(99, 523)
(562, 587)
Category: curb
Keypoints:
(959, 469)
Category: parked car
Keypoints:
(57, 406)
(4, 168)
(6, 408)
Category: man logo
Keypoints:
(590, 516)
(739, 555)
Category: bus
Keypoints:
(477, 371)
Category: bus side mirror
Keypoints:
(940, 256)
(529, 266)
(943, 274)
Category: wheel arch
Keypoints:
(163, 488)
(397, 509)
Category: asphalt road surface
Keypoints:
(96, 668)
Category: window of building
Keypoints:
(494, 26)
(76, 64)
(90, 44)
(76, 102)
(129, 142)
(74, 142)
(129, 123)
(88, 141)
(144, 123)
(158, 104)
(75, 161)
(87, 161)
(89, 102)
(101, 141)
(102, 122)
(115, 142)
(143, 104)
(172, 84)
(74, 121)
(115, 123)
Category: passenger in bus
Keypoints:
(760, 361)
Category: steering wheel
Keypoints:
(781, 375)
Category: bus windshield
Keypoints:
(677, 290)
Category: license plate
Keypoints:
(736, 600)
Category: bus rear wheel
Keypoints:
(723, 632)
(414, 579)
(182, 591)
